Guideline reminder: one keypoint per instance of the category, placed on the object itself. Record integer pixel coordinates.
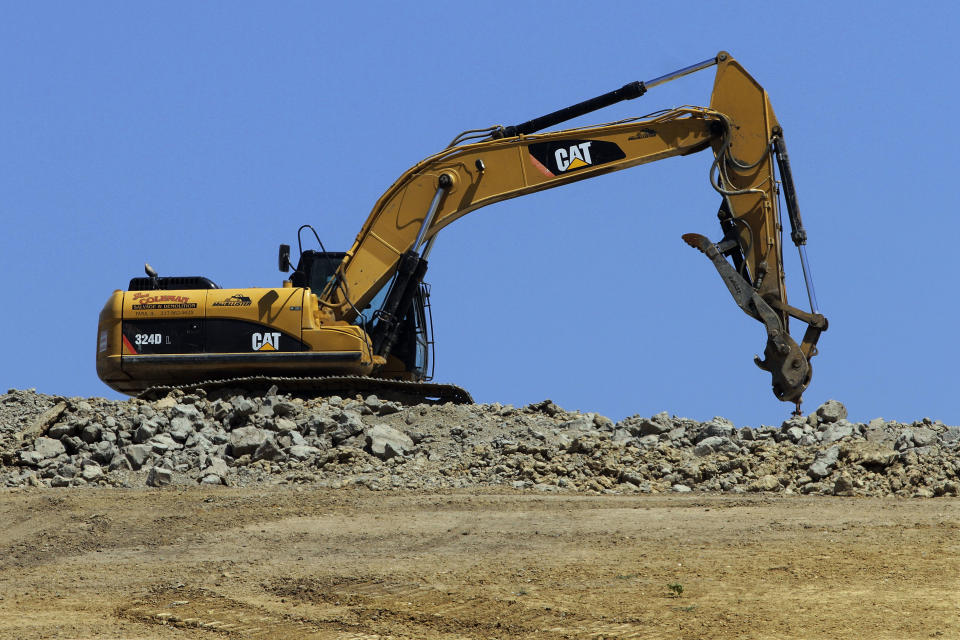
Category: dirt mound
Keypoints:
(337, 442)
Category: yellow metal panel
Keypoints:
(109, 339)
(340, 337)
(280, 308)
(747, 107)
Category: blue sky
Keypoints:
(199, 136)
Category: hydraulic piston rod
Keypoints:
(679, 73)
(797, 233)
(628, 91)
(444, 183)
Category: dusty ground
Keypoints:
(285, 562)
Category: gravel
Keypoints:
(188, 439)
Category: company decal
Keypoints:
(643, 133)
(237, 300)
(148, 301)
(563, 156)
(265, 341)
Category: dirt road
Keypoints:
(285, 562)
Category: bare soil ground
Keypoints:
(295, 562)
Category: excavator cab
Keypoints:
(315, 269)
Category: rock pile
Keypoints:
(336, 442)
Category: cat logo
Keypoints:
(556, 157)
(266, 341)
(578, 155)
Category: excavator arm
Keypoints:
(461, 179)
(507, 162)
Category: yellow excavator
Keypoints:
(359, 321)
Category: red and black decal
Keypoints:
(128, 345)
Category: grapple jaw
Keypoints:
(786, 361)
(790, 368)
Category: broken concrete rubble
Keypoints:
(380, 444)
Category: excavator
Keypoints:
(360, 320)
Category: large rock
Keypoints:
(951, 435)
(923, 437)
(836, 431)
(824, 463)
(73, 444)
(188, 411)
(137, 455)
(103, 452)
(269, 450)
(120, 463)
(373, 403)
(719, 427)
(831, 411)
(656, 425)
(67, 470)
(214, 435)
(163, 442)
(144, 432)
(284, 425)
(677, 433)
(295, 437)
(181, 428)
(386, 442)
(766, 483)
(843, 486)
(285, 408)
(714, 444)
(217, 466)
(879, 434)
(91, 433)
(870, 455)
(159, 477)
(62, 430)
(242, 406)
(48, 447)
(319, 424)
(30, 458)
(348, 424)
(91, 471)
(583, 424)
(166, 402)
(794, 433)
(246, 440)
(302, 451)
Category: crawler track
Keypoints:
(400, 390)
